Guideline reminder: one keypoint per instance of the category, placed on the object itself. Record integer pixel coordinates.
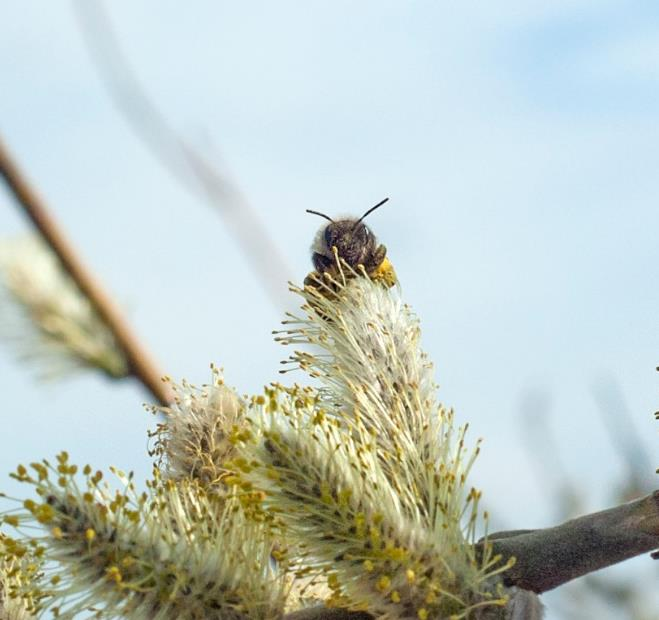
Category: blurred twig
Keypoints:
(173, 152)
(545, 454)
(140, 362)
(596, 591)
(624, 436)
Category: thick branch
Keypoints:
(550, 557)
(140, 362)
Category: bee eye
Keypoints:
(330, 237)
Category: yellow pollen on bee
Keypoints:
(385, 273)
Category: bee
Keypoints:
(352, 242)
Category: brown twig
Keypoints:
(548, 558)
(624, 436)
(141, 365)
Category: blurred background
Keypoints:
(518, 142)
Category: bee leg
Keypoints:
(376, 258)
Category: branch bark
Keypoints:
(550, 557)
(141, 365)
(547, 558)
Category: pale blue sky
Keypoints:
(518, 141)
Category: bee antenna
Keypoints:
(327, 217)
(371, 210)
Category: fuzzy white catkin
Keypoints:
(12, 608)
(361, 485)
(47, 318)
(368, 472)
(171, 553)
(16, 573)
(195, 441)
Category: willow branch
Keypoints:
(140, 363)
(550, 557)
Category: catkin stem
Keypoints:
(141, 364)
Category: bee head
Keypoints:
(353, 240)
(345, 234)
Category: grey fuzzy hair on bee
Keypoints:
(355, 243)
